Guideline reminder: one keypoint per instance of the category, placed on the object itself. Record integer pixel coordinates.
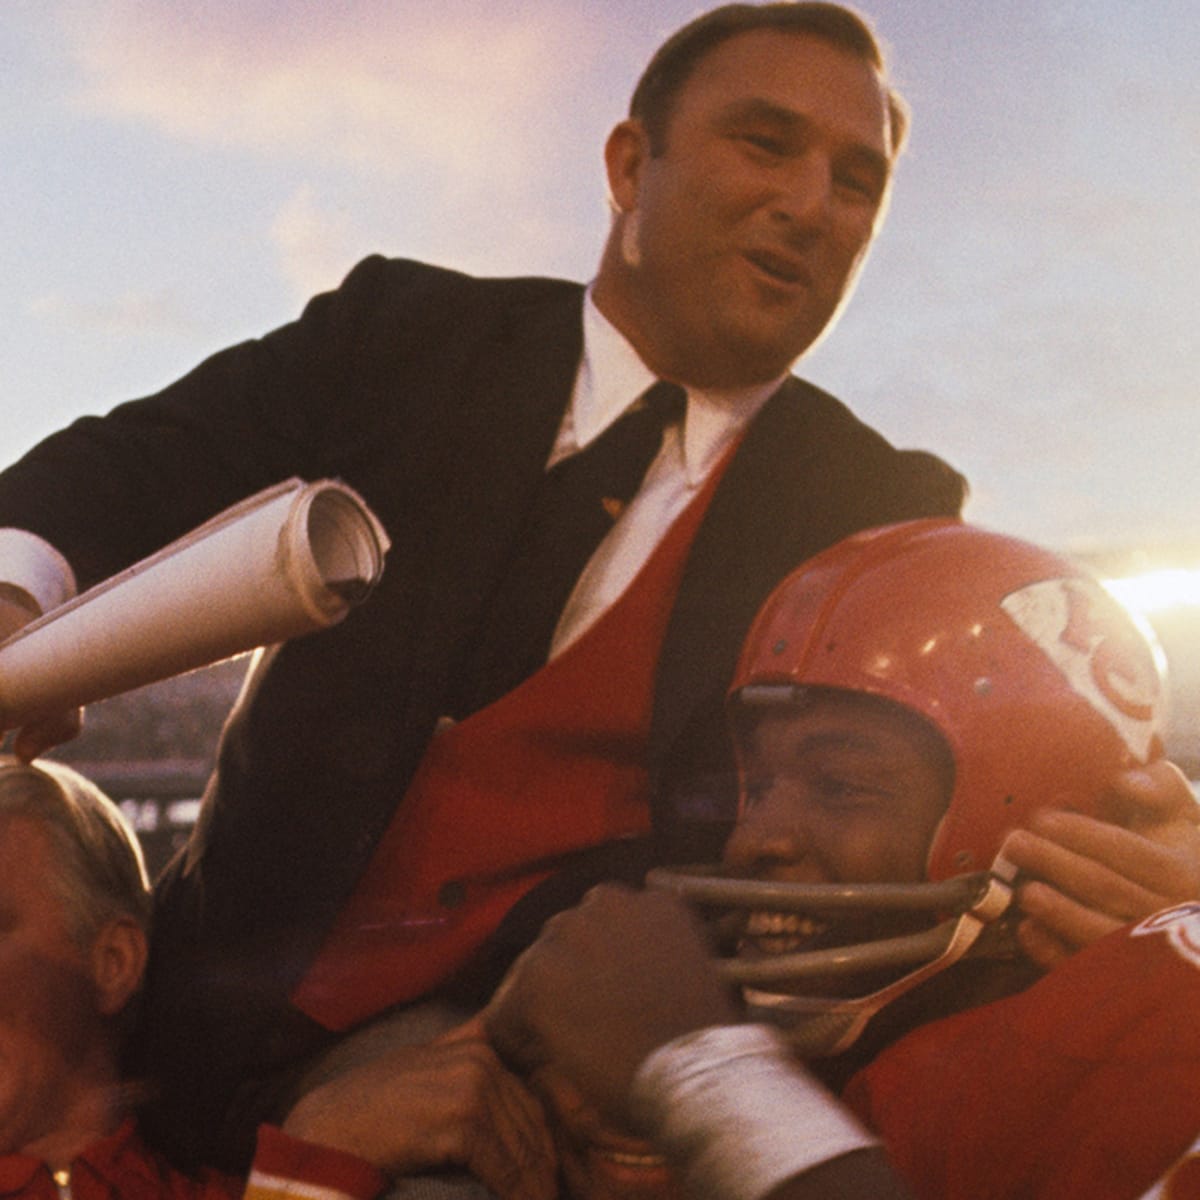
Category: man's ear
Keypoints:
(118, 962)
(625, 154)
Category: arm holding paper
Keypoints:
(288, 561)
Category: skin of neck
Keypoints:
(94, 1109)
(619, 297)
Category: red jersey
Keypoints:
(122, 1167)
(1086, 1086)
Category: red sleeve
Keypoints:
(1085, 1086)
(285, 1166)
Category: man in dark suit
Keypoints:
(747, 185)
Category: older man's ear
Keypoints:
(118, 962)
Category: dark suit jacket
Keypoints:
(438, 397)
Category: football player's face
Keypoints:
(598, 1162)
(841, 790)
(845, 789)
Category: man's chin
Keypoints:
(762, 345)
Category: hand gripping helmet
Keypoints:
(1040, 683)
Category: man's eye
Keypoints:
(864, 188)
(832, 787)
(765, 142)
(843, 791)
(753, 790)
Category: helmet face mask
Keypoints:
(1037, 682)
(824, 997)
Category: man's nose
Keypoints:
(805, 197)
(771, 831)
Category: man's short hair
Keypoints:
(102, 873)
(675, 60)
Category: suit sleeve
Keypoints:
(109, 490)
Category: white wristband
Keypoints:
(735, 1114)
(30, 563)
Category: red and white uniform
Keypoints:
(122, 1167)
(1085, 1086)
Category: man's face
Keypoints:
(738, 242)
(597, 1161)
(48, 1021)
(843, 789)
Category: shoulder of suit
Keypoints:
(405, 305)
(797, 399)
(409, 275)
(943, 489)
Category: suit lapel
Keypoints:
(502, 435)
(773, 508)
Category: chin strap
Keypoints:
(817, 1027)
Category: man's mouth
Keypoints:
(770, 933)
(626, 1158)
(780, 268)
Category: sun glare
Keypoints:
(1155, 591)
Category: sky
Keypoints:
(180, 177)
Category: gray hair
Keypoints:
(102, 873)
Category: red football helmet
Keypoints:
(1041, 684)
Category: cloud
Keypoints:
(373, 85)
(315, 245)
(133, 313)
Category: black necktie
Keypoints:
(576, 504)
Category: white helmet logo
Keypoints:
(1115, 673)
(1181, 924)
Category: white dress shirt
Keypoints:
(611, 376)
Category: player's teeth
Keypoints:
(626, 1159)
(775, 925)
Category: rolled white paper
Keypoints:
(290, 560)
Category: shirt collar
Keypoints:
(117, 1158)
(612, 376)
